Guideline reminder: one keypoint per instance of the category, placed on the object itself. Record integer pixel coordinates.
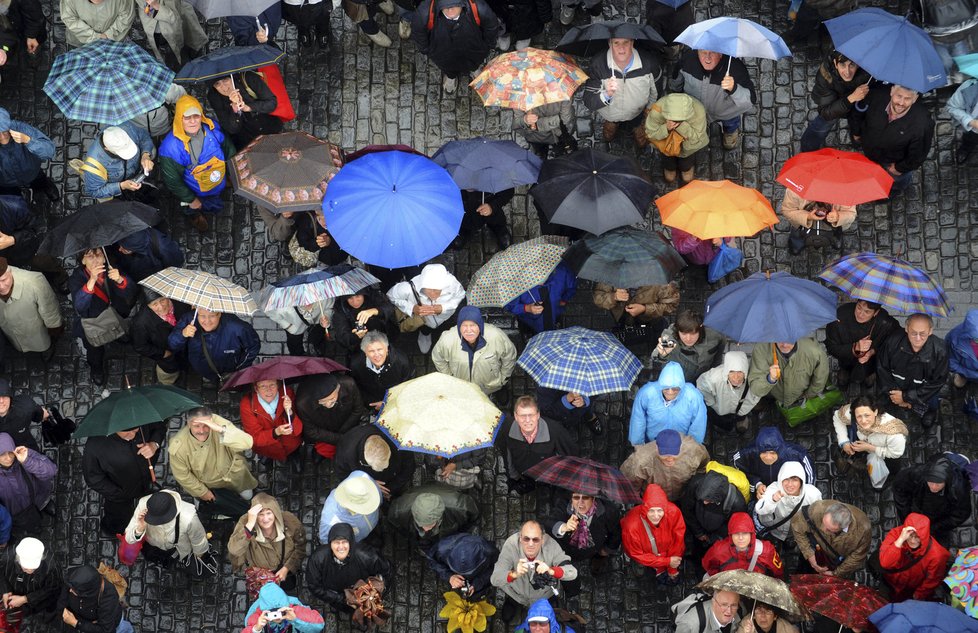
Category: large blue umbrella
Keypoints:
(675, 4)
(736, 37)
(107, 82)
(490, 166)
(915, 616)
(769, 308)
(889, 47)
(227, 61)
(580, 360)
(393, 209)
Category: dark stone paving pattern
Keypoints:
(358, 95)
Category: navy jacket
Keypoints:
(233, 345)
(151, 252)
(748, 459)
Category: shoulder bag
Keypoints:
(107, 326)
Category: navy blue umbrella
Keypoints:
(915, 616)
(770, 308)
(227, 61)
(675, 4)
(481, 164)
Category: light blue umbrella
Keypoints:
(736, 37)
(580, 360)
(968, 64)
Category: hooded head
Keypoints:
(671, 376)
(85, 581)
(466, 557)
(268, 502)
(271, 597)
(341, 531)
(921, 525)
(138, 242)
(541, 611)
(713, 488)
(185, 106)
(741, 524)
(677, 106)
(472, 314)
(654, 497)
(938, 474)
(433, 277)
(737, 363)
(769, 438)
(7, 445)
(789, 470)
(971, 324)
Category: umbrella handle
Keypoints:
(729, 60)
(194, 320)
(288, 415)
(152, 471)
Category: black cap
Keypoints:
(160, 508)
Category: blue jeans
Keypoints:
(900, 183)
(731, 125)
(208, 204)
(124, 627)
(815, 134)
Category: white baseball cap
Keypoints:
(118, 142)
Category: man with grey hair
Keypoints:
(911, 370)
(833, 538)
(378, 367)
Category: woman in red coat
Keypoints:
(912, 560)
(653, 535)
(265, 417)
(743, 550)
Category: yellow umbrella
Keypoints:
(710, 209)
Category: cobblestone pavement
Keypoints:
(358, 95)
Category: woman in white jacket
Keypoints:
(434, 295)
(862, 428)
(782, 500)
(170, 529)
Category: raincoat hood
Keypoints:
(740, 522)
(971, 324)
(7, 444)
(184, 102)
(792, 469)
(466, 557)
(654, 497)
(677, 106)
(671, 376)
(85, 580)
(769, 439)
(138, 242)
(433, 277)
(268, 502)
(271, 596)
(342, 531)
(713, 488)
(444, 4)
(471, 313)
(921, 524)
(735, 361)
(542, 609)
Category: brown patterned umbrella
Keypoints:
(285, 172)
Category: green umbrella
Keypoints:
(135, 406)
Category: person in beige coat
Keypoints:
(842, 532)
(175, 22)
(270, 538)
(805, 214)
(680, 113)
(90, 20)
(29, 311)
(670, 461)
(475, 351)
(207, 460)
(645, 307)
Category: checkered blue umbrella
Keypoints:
(580, 360)
(107, 82)
(888, 281)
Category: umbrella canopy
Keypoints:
(968, 64)
(675, 4)
(98, 225)
(756, 586)
(133, 407)
(438, 414)
(393, 209)
(281, 368)
(525, 79)
(845, 601)
(211, 9)
(201, 290)
(580, 360)
(585, 476)
(515, 270)
(226, 61)
(626, 257)
(889, 281)
(889, 47)
(314, 285)
(963, 577)
(372, 149)
(593, 190)
(587, 40)
(736, 37)
(491, 166)
(107, 82)
(285, 172)
(770, 307)
(915, 616)
(835, 177)
(716, 208)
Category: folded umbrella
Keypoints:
(844, 601)
(756, 586)
(585, 476)
(888, 281)
(625, 257)
(592, 38)
(916, 616)
(211, 9)
(716, 208)
(281, 368)
(525, 79)
(227, 61)
(962, 578)
(481, 164)
(202, 290)
(736, 37)
(580, 360)
(513, 271)
(134, 407)
(98, 225)
(315, 285)
(593, 190)
(889, 47)
(835, 177)
(769, 308)
(107, 82)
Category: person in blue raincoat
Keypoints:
(668, 403)
(541, 307)
(540, 618)
(146, 252)
(962, 350)
(277, 612)
(762, 459)
(231, 343)
(117, 156)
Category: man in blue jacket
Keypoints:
(113, 162)
(762, 459)
(668, 403)
(22, 148)
(230, 343)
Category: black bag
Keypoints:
(816, 236)
(631, 335)
(566, 143)
(56, 429)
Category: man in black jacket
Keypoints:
(119, 467)
(329, 406)
(17, 413)
(432, 511)
(839, 85)
(911, 369)
(895, 131)
(366, 448)
(242, 104)
(854, 339)
(484, 209)
(938, 489)
(378, 367)
(528, 439)
(149, 330)
(456, 35)
(21, 20)
(30, 582)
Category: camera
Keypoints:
(140, 178)
(820, 213)
(542, 581)
(275, 615)
(361, 328)
(668, 343)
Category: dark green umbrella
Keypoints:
(134, 407)
(626, 257)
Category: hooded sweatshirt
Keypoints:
(769, 512)
(913, 573)
(709, 502)
(25, 484)
(286, 548)
(759, 556)
(488, 363)
(180, 155)
(720, 395)
(94, 601)
(669, 535)
(748, 459)
(651, 413)
(678, 106)
(327, 577)
(962, 351)
(433, 277)
(272, 597)
(542, 609)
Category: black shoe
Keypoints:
(305, 40)
(50, 190)
(963, 154)
(836, 238)
(599, 565)
(323, 41)
(929, 419)
(510, 610)
(597, 428)
(98, 377)
(842, 379)
(458, 243)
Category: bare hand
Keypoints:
(759, 490)
(261, 35)
(635, 309)
(283, 429)
(863, 447)
(32, 45)
(611, 86)
(147, 449)
(69, 618)
(448, 469)
(130, 185)
(859, 93)
(571, 523)
(376, 405)
(532, 308)
(115, 275)
(621, 294)
(728, 83)
(281, 574)
(863, 345)
(189, 331)
(6, 241)
(253, 513)
(141, 521)
(777, 496)
(974, 124)
(575, 399)
(324, 321)
(896, 397)
(904, 535)
(522, 567)
(891, 168)
(19, 137)
(456, 581)
(365, 315)
(675, 561)
(207, 496)
(196, 204)
(848, 449)
(543, 568)
(287, 404)
(484, 210)
(774, 372)
(531, 120)
(147, 164)
(384, 490)
(672, 125)
(815, 565)
(323, 240)
(865, 357)
(21, 454)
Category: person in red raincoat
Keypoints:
(912, 560)
(274, 436)
(659, 519)
(743, 550)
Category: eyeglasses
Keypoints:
(531, 539)
(726, 608)
(581, 497)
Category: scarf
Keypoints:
(885, 423)
(581, 538)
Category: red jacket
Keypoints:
(259, 425)
(923, 576)
(669, 535)
(723, 556)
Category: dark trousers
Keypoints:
(675, 163)
(472, 221)
(317, 339)
(116, 515)
(969, 140)
(721, 422)
(308, 17)
(668, 22)
(94, 356)
(226, 502)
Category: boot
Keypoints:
(449, 85)
(305, 40)
(641, 140)
(404, 30)
(836, 238)
(689, 174)
(669, 175)
(503, 237)
(380, 39)
(609, 130)
(387, 7)
(731, 139)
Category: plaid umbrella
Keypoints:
(438, 414)
(281, 368)
(315, 285)
(962, 580)
(845, 601)
(625, 257)
(580, 360)
(202, 290)
(889, 281)
(587, 477)
(528, 78)
(107, 82)
(285, 172)
(515, 270)
(757, 586)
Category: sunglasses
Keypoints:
(531, 539)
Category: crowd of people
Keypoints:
(760, 508)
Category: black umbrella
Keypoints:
(593, 190)
(98, 225)
(626, 257)
(588, 40)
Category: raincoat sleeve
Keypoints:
(233, 437)
(39, 145)
(757, 375)
(697, 427)
(962, 103)
(96, 479)
(637, 424)
(316, 578)
(249, 345)
(419, 27)
(238, 545)
(40, 466)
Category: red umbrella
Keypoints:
(281, 368)
(844, 601)
(835, 177)
(585, 476)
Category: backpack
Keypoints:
(734, 476)
(472, 7)
(696, 600)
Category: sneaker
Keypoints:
(424, 342)
(449, 85)
(522, 44)
(380, 39)
(387, 7)
(199, 222)
(595, 424)
(404, 30)
(503, 41)
(731, 139)
(567, 14)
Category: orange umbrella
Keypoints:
(716, 208)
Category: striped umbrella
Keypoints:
(888, 281)
(515, 270)
(587, 477)
(315, 285)
(525, 79)
(107, 82)
(202, 290)
(580, 360)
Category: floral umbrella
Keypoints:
(528, 78)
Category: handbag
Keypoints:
(105, 328)
(630, 335)
(727, 260)
(56, 428)
(256, 578)
(878, 470)
(128, 552)
(812, 407)
(115, 579)
(815, 236)
(671, 145)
